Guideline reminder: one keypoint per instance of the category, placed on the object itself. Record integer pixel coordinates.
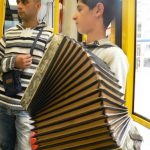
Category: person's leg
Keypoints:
(133, 140)
(23, 129)
(7, 130)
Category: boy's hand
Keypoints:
(33, 141)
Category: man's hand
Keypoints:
(23, 61)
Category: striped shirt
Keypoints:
(18, 40)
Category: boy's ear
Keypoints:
(99, 9)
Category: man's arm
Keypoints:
(6, 63)
(20, 61)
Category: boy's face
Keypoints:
(84, 18)
(28, 9)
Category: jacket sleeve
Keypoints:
(6, 63)
(119, 65)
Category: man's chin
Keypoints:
(22, 18)
(21, 15)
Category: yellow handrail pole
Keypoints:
(2, 15)
(128, 28)
(56, 17)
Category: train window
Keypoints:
(142, 61)
(11, 17)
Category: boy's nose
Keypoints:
(74, 17)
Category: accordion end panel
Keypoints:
(75, 100)
(38, 76)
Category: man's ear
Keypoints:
(99, 8)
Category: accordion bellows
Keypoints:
(74, 100)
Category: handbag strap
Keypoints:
(34, 43)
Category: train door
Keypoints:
(136, 43)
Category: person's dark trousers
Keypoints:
(7, 130)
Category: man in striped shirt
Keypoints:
(15, 48)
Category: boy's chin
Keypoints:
(81, 32)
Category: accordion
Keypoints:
(74, 100)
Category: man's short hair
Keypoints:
(25, 1)
(109, 9)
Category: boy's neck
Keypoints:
(96, 35)
(91, 39)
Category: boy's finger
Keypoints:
(33, 141)
(33, 134)
(34, 147)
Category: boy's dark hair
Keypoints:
(109, 9)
